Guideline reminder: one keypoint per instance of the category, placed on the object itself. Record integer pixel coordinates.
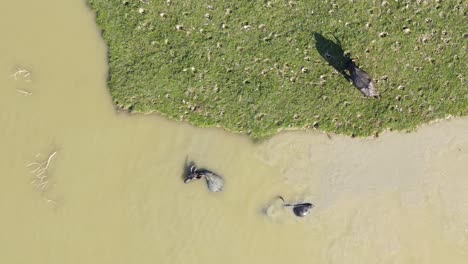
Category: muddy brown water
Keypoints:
(112, 191)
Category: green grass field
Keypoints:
(260, 66)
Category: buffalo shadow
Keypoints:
(333, 53)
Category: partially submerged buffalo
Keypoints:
(299, 209)
(214, 181)
(362, 80)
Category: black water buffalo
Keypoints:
(214, 181)
(362, 80)
(299, 209)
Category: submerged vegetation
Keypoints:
(260, 66)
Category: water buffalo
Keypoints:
(362, 80)
(299, 209)
(214, 181)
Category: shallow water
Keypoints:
(114, 192)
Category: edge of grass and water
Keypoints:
(258, 67)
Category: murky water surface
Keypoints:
(103, 187)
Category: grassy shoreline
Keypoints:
(257, 67)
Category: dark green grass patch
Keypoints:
(260, 66)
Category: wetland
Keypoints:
(84, 183)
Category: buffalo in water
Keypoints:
(214, 181)
(299, 209)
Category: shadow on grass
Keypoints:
(333, 53)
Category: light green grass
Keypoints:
(246, 76)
